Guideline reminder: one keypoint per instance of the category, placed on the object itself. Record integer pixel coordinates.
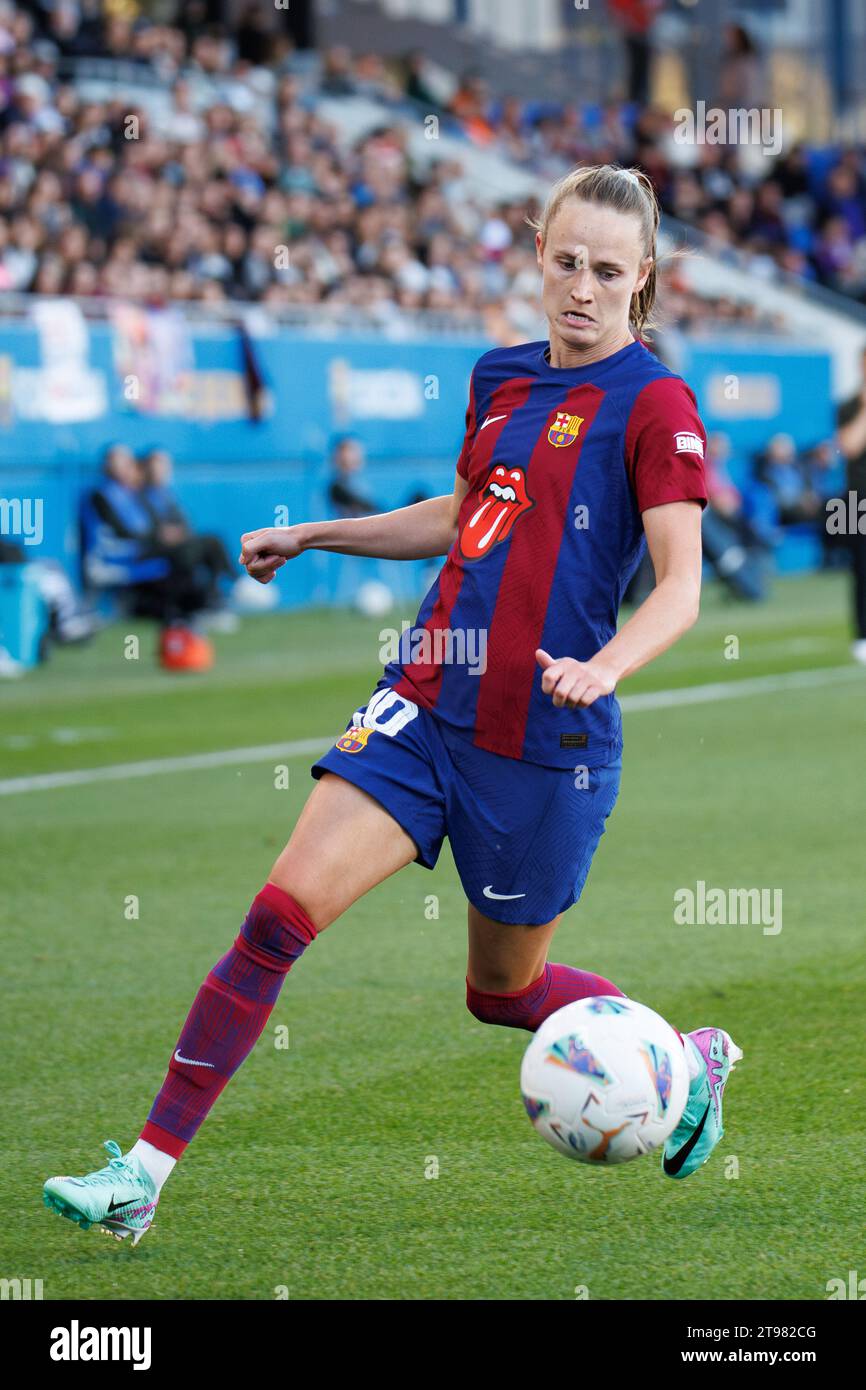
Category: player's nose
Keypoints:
(580, 289)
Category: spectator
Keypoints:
(417, 85)
(122, 547)
(344, 494)
(780, 470)
(470, 104)
(732, 544)
(203, 555)
(636, 18)
(726, 499)
(824, 472)
(741, 78)
(119, 501)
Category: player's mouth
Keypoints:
(503, 500)
(572, 319)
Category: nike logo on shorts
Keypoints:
(500, 897)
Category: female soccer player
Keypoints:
(498, 725)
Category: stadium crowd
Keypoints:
(232, 187)
(217, 179)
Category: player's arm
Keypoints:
(664, 456)
(673, 533)
(420, 532)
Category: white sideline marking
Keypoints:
(636, 704)
(731, 690)
(193, 762)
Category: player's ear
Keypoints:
(644, 269)
(539, 250)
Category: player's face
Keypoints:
(592, 262)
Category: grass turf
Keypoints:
(311, 1175)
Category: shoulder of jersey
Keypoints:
(512, 360)
(646, 371)
(498, 365)
(651, 368)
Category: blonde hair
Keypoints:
(625, 190)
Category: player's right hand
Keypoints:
(265, 551)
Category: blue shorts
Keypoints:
(522, 836)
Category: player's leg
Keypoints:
(504, 957)
(343, 844)
(523, 838)
(526, 837)
(510, 982)
(509, 979)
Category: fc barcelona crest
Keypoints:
(564, 429)
(354, 740)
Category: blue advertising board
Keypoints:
(250, 422)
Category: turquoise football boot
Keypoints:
(121, 1198)
(700, 1127)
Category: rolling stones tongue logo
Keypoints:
(503, 500)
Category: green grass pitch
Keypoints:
(385, 1153)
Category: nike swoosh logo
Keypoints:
(673, 1165)
(190, 1063)
(500, 897)
(491, 420)
(118, 1206)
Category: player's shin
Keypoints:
(527, 1008)
(225, 1022)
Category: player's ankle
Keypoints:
(156, 1161)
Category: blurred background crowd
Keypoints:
(185, 196)
(216, 155)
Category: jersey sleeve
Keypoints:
(665, 443)
(471, 422)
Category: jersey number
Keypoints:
(387, 713)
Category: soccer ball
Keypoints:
(249, 596)
(604, 1080)
(374, 599)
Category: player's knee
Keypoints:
(276, 930)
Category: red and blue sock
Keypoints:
(557, 986)
(228, 1016)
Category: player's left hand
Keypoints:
(574, 683)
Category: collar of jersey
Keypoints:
(577, 374)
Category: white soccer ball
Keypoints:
(374, 599)
(249, 596)
(604, 1080)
